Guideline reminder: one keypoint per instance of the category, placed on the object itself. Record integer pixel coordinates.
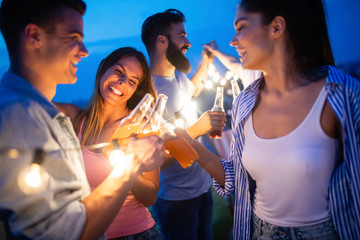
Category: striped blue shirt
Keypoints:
(344, 187)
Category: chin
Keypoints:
(69, 81)
(248, 66)
(72, 81)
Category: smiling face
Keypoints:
(64, 48)
(120, 81)
(177, 47)
(252, 40)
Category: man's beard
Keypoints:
(177, 59)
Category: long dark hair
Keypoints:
(93, 112)
(307, 31)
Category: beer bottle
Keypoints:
(153, 124)
(132, 123)
(218, 107)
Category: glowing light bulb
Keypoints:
(34, 178)
(13, 153)
(208, 84)
(216, 77)
(228, 75)
(180, 123)
(211, 66)
(115, 157)
(211, 70)
(223, 82)
(229, 92)
(119, 160)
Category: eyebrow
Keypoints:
(239, 20)
(80, 33)
(74, 30)
(125, 71)
(182, 32)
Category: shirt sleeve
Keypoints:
(55, 213)
(228, 189)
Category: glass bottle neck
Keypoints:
(138, 113)
(219, 102)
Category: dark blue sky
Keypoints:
(110, 24)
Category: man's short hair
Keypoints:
(159, 24)
(16, 14)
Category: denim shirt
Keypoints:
(344, 186)
(29, 121)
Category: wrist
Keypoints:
(215, 52)
(192, 132)
(206, 60)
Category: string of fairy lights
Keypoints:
(33, 178)
(213, 80)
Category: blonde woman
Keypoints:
(122, 79)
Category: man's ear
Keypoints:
(162, 41)
(278, 27)
(34, 35)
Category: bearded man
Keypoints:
(184, 206)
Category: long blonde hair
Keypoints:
(92, 115)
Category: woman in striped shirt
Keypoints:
(294, 164)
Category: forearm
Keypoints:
(230, 62)
(209, 162)
(104, 202)
(193, 131)
(200, 75)
(146, 188)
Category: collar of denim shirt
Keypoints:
(22, 87)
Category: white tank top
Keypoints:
(292, 173)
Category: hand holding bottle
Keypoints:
(155, 125)
(209, 121)
(148, 152)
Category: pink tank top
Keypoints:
(133, 216)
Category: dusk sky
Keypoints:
(111, 24)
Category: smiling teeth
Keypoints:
(241, 52)
(74, 62)
(116, 91)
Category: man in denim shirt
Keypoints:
(44, 41)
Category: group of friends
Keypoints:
(294, 165)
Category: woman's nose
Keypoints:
(123, 79)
